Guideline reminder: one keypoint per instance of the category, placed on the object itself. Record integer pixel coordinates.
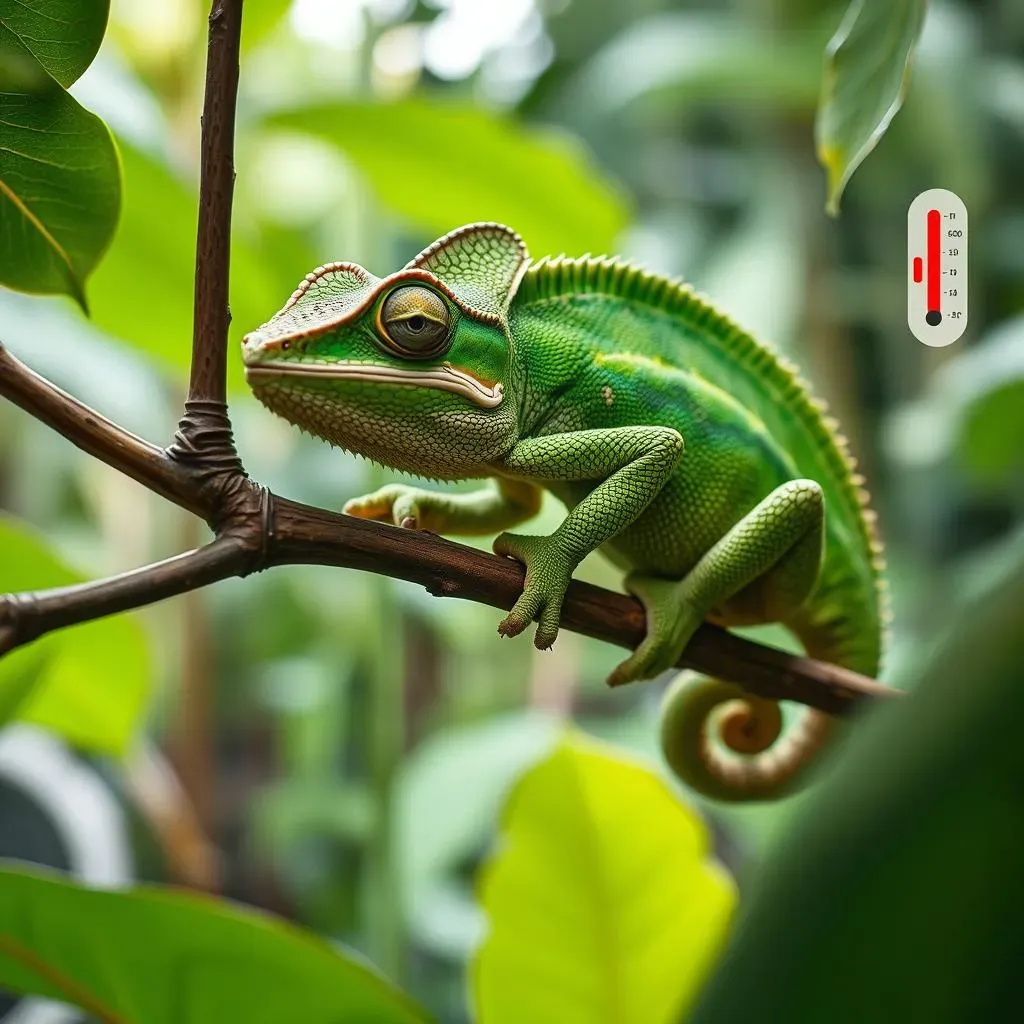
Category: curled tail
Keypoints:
(729, 744)
(726, 743)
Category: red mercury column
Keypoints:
(934, 314)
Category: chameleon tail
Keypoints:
(727, 743)
(755, 764)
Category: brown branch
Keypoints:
(201, 472)
(310, 535)
(216, 186)
(28, 615)
(95, 434)
(290, 533)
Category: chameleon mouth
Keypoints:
(443, 378)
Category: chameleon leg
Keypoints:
(778, 543)
(485, 511)
(632, 465)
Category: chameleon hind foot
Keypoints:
(399, 504)
(548, 572)
(671, 622)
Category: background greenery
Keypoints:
(347, 742)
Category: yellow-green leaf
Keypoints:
(88, 683)
(867, 71)
(604, 902)
(538, 182)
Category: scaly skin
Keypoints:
(690, 454)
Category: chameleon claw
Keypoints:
(547, 576)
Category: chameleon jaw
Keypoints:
(444, 378)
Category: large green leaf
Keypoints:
(88, 683)
(604, 903)
(867, 71)
(63, 35)
(896, 896)
(441, 165)
(60, 185)
(150, 956)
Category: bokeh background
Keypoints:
(336, 746)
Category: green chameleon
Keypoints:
(689, 453)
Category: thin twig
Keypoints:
(94, 433)
(28, 615)
(212, 316)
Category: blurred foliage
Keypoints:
(352, 740)
(920, 826)
(457, 165)
(605, 906)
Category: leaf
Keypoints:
(757, 274)
(973, 411)
(88, 683)
(983, 389)
(604, 903)
(896, 895)
(142, 292)
(441, 165)
(155, 956)
(60, 184)
(261, 20)
(867, 72)
(63, 35)
(448, 794)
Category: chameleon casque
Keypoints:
(689, 453)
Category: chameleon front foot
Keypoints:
(548, 572)
(671, 622)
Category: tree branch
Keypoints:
(254, 529)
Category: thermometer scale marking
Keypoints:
(937, 281)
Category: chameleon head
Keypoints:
(416, 370)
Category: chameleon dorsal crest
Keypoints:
(482, 264)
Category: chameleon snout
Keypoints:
(258, 345)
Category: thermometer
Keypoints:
(937, 271)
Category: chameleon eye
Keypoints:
(415, 322)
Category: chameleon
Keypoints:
(686, 451)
